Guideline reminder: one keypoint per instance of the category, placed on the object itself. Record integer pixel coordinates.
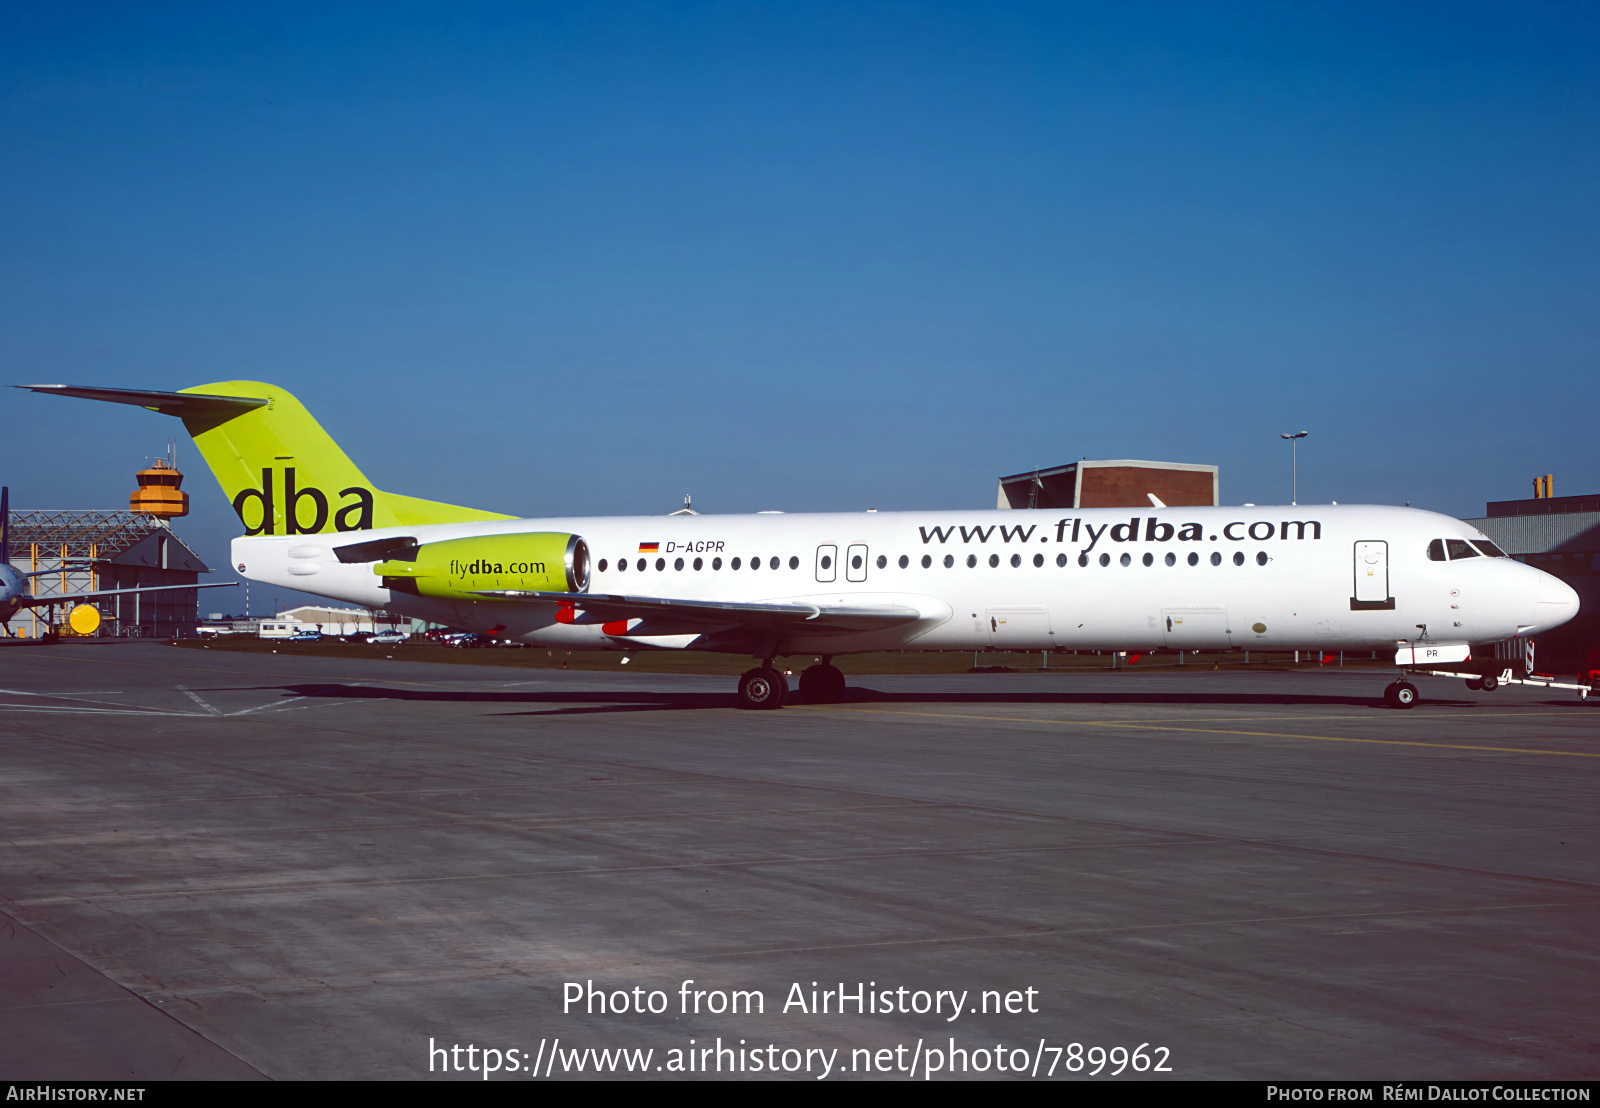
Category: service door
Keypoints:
(855, 563)
(1019, 629)
(827, 563)
(1196, 628)
(1372, 572)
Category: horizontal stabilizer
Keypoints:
(180, 404)
(280, 470)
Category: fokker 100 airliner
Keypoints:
(1322, 578)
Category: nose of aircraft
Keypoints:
(1558, 602)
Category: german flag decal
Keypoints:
(649, 547)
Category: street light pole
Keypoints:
(1294, 463)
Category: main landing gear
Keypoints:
(822, 684)
(766, 687)
(1401, 694)
(763, 687)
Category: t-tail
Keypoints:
(281, 471)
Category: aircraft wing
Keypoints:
(74, 598)
(764, 616)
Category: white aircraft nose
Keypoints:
(1558, 603)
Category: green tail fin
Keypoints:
(286, 476)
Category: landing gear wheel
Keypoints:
(1490, 683)
(1475, 684)
(1401, 694)
(762, 688)
(822, 684)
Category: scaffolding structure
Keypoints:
(90, 549)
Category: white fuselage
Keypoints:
(1266, 578)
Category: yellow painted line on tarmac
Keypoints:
(1213, 731)
(1378, 742)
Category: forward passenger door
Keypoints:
(1372, 576)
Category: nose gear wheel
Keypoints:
(1401, 694)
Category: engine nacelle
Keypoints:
(459, 569)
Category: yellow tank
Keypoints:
(158, 493)
(84, 620)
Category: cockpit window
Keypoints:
(1459, 548)
(1489, 548)
(1436, 550)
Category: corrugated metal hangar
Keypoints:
(1125, 483)
(1560, 535)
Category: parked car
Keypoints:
(468, 640)
(388, 638)
(306, 636)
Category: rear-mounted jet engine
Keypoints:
(463, 569)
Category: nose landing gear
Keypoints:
(1401, 694)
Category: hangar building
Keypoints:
(1125, 483)
(1560, 535)
(109, 550)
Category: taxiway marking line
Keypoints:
(1379, 742)
(194, 696)
(144, 712)
(139, 710)
(80, 697)
(305, 677)
(1428, 718)
(1216, 731)
(66, 696)
(266, 706)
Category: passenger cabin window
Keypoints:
(1459, 549)
(1436, 550)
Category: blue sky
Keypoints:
(557, 259)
